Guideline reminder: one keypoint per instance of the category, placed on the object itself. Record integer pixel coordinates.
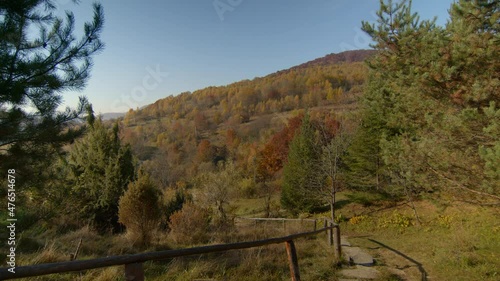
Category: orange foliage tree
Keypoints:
(274, 154)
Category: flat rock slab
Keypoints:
(358, 256)
(361, 272)
(344, 242)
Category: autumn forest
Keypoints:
(397, 141)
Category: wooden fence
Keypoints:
(332, 239)
(282, 220)
(133, 263)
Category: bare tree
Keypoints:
(330, 166)
(218, 188)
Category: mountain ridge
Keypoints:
(351, 56)
(336, 58)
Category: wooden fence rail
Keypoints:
(133, 263)
(333, 234)
(275, 219)
(282, 220)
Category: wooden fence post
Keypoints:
(292, 260)
(337, 244)
(315, 226)
(330, 235)
(325, 224)
(134, 272)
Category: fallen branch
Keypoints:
(462, 186)
(75, 255)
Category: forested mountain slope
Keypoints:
(185, 134)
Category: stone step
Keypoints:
(358, 256)
(361, 272)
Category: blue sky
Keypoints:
(156, 48)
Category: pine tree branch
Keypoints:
(16, 54)
(55, 64)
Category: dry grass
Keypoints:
(114, 273)
(453, 243)
(49, 254)
(263, 263)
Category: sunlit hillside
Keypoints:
(233, 121)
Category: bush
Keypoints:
(139, 209)
(248, 188)
(190, 225)
(175, 204)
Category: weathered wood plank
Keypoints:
(336, 243)
(276, 219)
(134, 272)
(330, 235)
(293, 261)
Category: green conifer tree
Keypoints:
(365, 166)
(437, 91)
(300, 173)
(99, 169)
(34, 71)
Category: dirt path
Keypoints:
(390, 262)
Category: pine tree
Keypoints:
(33, 73)
(365, 166)
(99, 169)
(437, 91)
(471, 78)
(300, 173)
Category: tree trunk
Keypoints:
(410, 199)
(267, 202)
(332, 209)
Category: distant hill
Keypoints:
(347, 57)
(341, 71)
(112, 115)
(331, 59)
(180, 136)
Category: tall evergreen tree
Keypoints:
(470, 68)
(300, 173)
(365, 166)
(34, 71)
(99, 169)
(438, 91)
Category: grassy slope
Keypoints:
(459, 242)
